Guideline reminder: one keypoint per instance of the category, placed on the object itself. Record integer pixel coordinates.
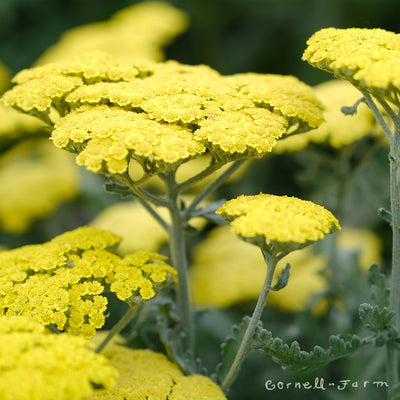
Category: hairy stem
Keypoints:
(117, 328)
(392, 370)
(394, 304)
(177, 244)
(248, 335)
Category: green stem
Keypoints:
(117, 328)
(179, 260)
(212, 186)
(392, 362)
(248, 335)
(392, 371)
(146, 204)
(142, 194)
(371, 104)
(214, 166)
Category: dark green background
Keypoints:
(230, 35)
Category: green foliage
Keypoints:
(379, 289)
(208, 212)
(294, 358)
(385, 215)
(288, 356)
(352, 110)
(377, 320)
(229, 349)
(283, 279)
(170, 331)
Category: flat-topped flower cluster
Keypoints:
(62, 282)
(368, 58)
(160, 114)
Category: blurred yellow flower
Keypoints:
(62, 282)
(139, 31)
(363, 242)
(14, 125)
(35, 179)
(137, 228)
(338, 129)
(368, 58)
(278, 218)
(145, 374)
(37, 365)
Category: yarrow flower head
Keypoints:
(113, 113)
(38, 365)
(278, 219)
(368, 58)
(62, 282)
(145, 374)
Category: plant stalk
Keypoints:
(180, 262)
(394, 304)
(248, 335)
(117, 328)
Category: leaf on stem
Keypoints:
(379, 288)
(294, 358)
(385, 215)
(208, 212)
(229, 349)
(378, 320)
(283, 279)
(171, 335)
(352, 110)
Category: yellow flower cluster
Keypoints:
(161, 115)
(338, 130)
(62, 282)
(145, 374)
(368, 58)
(37, 365)
(35, 178)
(227, 270)
(278, 218)
(138, 31)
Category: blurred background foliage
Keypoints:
(234, 36)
